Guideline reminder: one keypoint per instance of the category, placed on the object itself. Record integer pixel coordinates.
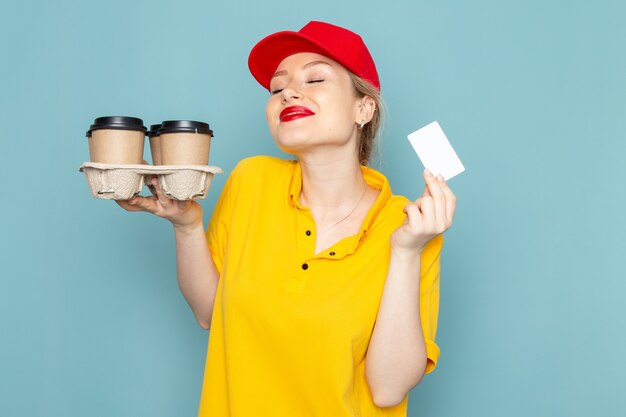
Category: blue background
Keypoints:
(532, 94)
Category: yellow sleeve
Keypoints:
(235, 197)
(429, 298)
(217, 231)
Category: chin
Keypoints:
(289, 148)
(292, 143)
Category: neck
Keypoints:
(331, 184)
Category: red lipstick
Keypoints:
(295, 112)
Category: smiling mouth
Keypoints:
(295, 112)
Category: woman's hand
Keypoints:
(184, 215)
(429, 216)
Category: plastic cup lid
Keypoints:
(154, 130)
(185, 126)
(117, 122)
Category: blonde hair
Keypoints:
(371, 130)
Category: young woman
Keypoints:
(320, 287)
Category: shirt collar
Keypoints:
(296, 185)
(373, 178)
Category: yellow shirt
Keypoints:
(290, 328)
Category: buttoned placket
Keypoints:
(306, 260)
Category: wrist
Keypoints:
(189, 219)
(188, 228)
(406, 253)
(405, 265)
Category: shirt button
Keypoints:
(332, 254)
(308, 233)
(305, 266)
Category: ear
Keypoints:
(366, 106)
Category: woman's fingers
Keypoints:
(149, 204)
(138, 203)
(414, 216)
(150, 186)
(450, 202)
(426, 206)
(177, 212)
(127, 206)
(444, 201)
(439, 199)
(160, 195)
(429, 216)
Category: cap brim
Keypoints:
(271, 50)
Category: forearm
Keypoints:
(396, 357)
(196, 271)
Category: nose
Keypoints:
(290, 93)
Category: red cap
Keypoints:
(337, 43)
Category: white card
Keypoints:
(435, 152)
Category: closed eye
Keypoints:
(278, 90)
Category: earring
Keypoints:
(362, 124)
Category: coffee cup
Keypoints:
(185, 142)
(116, 140)
(155, 144)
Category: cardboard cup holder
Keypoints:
(122, 182)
